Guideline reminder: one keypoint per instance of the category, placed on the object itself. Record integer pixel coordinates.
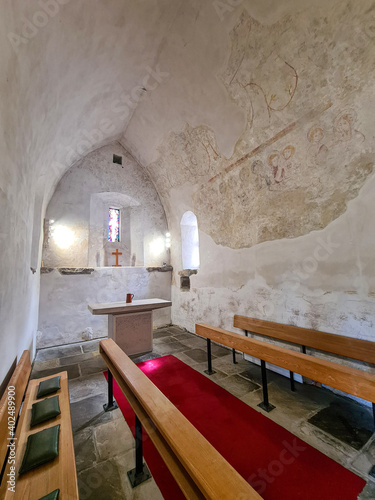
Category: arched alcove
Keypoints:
(189, 241)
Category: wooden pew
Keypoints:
(358, 349)
(349, 380)
(61, 472)
(199, 469)
(362, 350)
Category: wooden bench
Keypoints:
(199, 469)
(58, 474)
(346, 379)
(358, 349)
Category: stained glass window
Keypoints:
(114, 225)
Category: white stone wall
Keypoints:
(64, 317)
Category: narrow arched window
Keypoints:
(189, 241)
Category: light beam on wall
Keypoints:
(63, 237)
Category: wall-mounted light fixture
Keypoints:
(167, 240)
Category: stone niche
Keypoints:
(80, 207)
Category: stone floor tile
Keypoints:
(175, 330)
(365, 460)
(198, 355)
(368, 493)
(58, 352)
(113, 438)
(238, 386)
(185, 359)
(46, 365)
(347, 421)
(219, 351)
(226, 365)
(91, 345)
(160, 333)
(89, 412)
(78, 358)
(165, 349)
(84, 449)
(94, 365)
(184, 336)
(73, 372)
(145, 491)
(86, 386)
(101, 482)
(201, 367)
(145, 357)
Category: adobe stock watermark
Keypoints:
(122, 107)
(224, 7)
(12, 417)
(321, 253)
(30, 27)
(263, 477)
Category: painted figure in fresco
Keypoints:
(276, 164)
(317, 149)
(344, 131)
(287, 154)
(262, 179)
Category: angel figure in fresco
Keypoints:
(287, 154)
(317, 149)
(344, 131)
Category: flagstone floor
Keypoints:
(104, 445)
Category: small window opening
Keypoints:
(189, 241)
(114, 225)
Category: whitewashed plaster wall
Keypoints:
(64, 317)
(93, 185)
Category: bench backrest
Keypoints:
(197, 466)
(349, 380)
(362, 350)
(19, 381)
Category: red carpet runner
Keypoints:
(276, 463)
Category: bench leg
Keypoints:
(292, 386)
(209, 371)
(234, 357)
(265, 404)
(141, 472)
(373, 412)
(111, 405)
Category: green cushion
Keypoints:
(54, 495)
(48, 386)
(41, 447)
(44, 410)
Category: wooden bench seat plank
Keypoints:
(362, 350)
(61, 472)
(212, 474)
(350, 380)
(18, 380)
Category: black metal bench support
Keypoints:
(209, 370)
(265, 404)
(141, 472)
(111, 405)
(234, 357)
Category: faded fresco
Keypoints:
(307, 148)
